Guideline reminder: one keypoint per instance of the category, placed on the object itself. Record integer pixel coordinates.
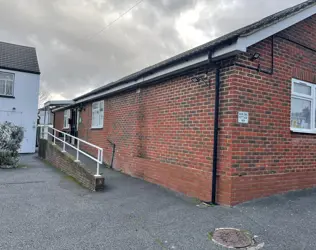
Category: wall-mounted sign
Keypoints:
(243, 117)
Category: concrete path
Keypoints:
(43, 209)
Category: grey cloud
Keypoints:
(239, 13)
(73, 59)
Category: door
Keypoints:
(16, 119)
(74, 125)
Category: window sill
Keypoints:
(96, 128)
(7, 96)
(303, 131)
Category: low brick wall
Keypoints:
(65, 162)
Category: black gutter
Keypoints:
(216, 129)
(139, 75)
(161, 66)
(158, 79)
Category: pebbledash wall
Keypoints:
(164, 133)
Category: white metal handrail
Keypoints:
(98, 160)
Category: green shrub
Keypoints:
(11, 137)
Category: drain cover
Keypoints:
(232, 238)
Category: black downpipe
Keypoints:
(113, 152)
(216, 129)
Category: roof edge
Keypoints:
(21, 70)
(229, 44)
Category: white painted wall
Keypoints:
(46, 117)
(23, 109)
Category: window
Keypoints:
(303, 107)
(6, 84)
(97, 114)
(66, 118)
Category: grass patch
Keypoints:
(22, 166)
(160, 243)
(205, 205)
(210, 235)
(196, 201)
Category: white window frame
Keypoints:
(312, 99)
(7, 81)
(97, 115)
(66, 118)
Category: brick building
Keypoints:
(241, 108)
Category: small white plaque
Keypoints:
(243, 117)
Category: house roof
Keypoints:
(18, 58)
(212, 45)
(58, 103)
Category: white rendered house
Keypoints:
(19, 90)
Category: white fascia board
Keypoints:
(244, 42)
(228, 51)
(161, 73)
(62, 102)
(60, 108)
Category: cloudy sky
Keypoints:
(75, 57)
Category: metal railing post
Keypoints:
(64, 143)
(77, 159)
(98, 159)
(98, 164)
(98, 169)
(54, 137)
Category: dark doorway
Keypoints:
(74, 125)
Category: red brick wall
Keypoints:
(267, 157)
(59, 123)
(59, 120)
(65, 162)
(164, 134)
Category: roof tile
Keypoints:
(18, 57)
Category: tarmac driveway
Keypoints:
(43, 209)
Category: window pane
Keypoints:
(66, 117)
(97, 118)
(315, 113)
(300, 113)
(101, 120)
(2, 87)
(95, 105)
(9, 88)
(6, 76)
(302, 88)
(97, 110)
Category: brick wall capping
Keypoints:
(66, 163)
